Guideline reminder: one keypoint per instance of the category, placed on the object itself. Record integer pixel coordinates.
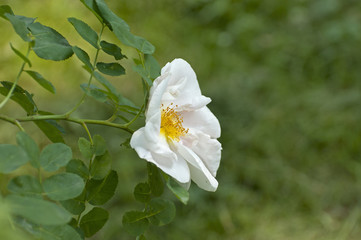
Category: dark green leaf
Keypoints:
(20, 96)
(95, 92)
(55, 156)
(181, 193)
(83, 56)
(50, 130)
(101, 166)
(26, 185)
(93, 221)
(100, 191)
(90, 4)
(30, 147)
(112, 90)
(112, 69)
(75, 206)
(5, 9)
(135, 222)
(143, 73)
(163, 211)
(11, 157)
(155, 180)
(49, 44)
(112, 50)
(78, 167)
(85, 148)
(141, 237)
(142, 192)
(22, 56)
(20, 26)
(41, 80)
(63, 186)
(38, 211)
(152, 66)
(100, 146)
(122, 31)
(85, 31)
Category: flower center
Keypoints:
(171, 123)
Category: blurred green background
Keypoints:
(284, 78)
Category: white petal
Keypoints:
(202, 120)
(159, 153)
(208, 149)
(199, 172)
(156, 94)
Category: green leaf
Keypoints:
(112, 69)
(75, 206)
(63, 186)
(122, 31)
(155, 180)
(49, 44)
(38, 211)
(20, 25)
(11, 158)
(78, 167)
(99, 145)
(85, 31)
(20, 96)
(181, 193)
(83, 56)
(100, 191)
(22, 56)
(141, 237)
(5, 9)
(152, 66)
(101, 166)
(135, 222)
(85, 148)
(163, 211)
(93, 221)
(50, 130)
(41, 80)
(55, 156)
(30, 147)
(94, 92)
(90, 4)
(112, 50)
(26, 185)
(62, 232)
(142, 192)
(143, 73)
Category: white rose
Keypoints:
(180, 133)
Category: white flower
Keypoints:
(180, 133)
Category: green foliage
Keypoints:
(155, 180)
(93, 221)
(11, 158)
(112, 69)
(100, 191)
(22, 56)
(142, 192)
(26, 185)
(112, 50)
(181, 193)
(63, 186)
(83, 56)
(41, 80)
(55, 156)
(85, 31)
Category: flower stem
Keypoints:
(8, 96)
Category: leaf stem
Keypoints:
(13, 121)
(8, 96)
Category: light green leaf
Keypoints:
(163, 211)
(85, 148)
(93, 221)
(112, 69)
(22, 56)
(83, 56)
(181, 193)
(142, 192)
(30, 147)
(38, 211)
(143, 73)
(41, 80)
(78, 167)
(95, 92)
(85, 31)
(20, 25)
(112, 50)
(101, 166)
(61, 232)
(135, 222)
(152, 66)
(100, 191)
(55, 156)
(63, 186)
(26, 185)
(11, 158)
(49, 44)
(155, 180)
(100, 146)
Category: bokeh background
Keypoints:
(284, 78)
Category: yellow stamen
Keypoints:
(171, 123)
